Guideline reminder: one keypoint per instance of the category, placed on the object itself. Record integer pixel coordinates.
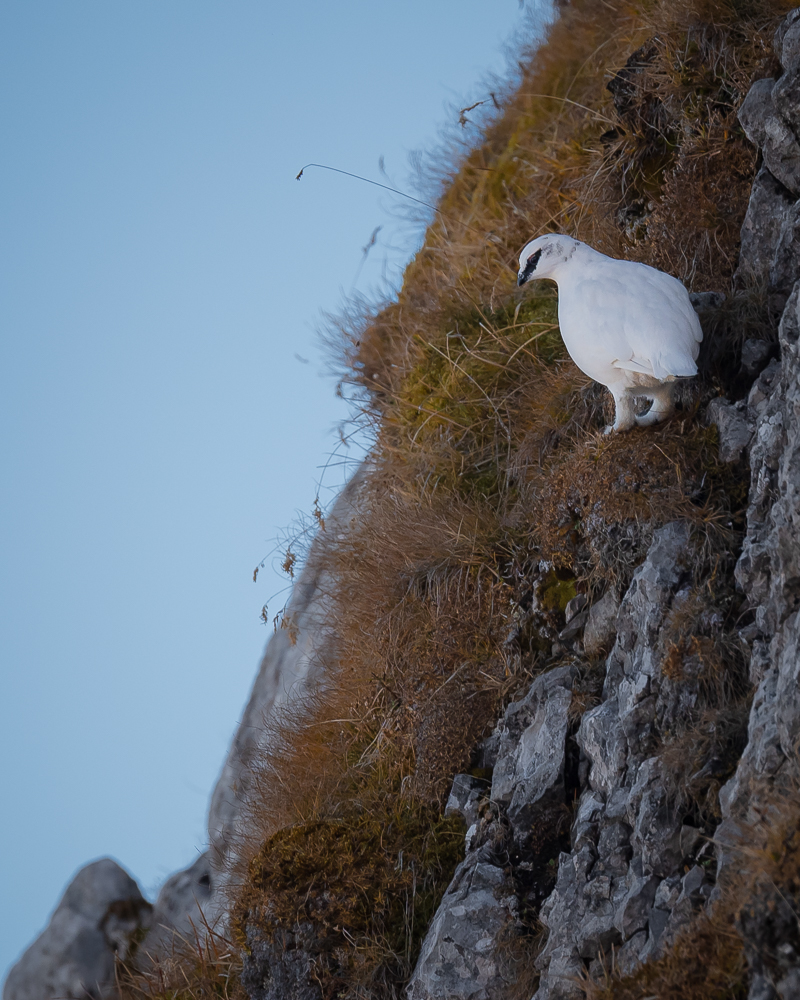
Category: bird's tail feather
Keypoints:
(678, 365)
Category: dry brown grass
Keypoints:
(204, 966)
(704, 669)
(420, 615)
(706, 962)
(598, 504)
(701, 757)
(563, 158)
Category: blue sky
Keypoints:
(165, 409)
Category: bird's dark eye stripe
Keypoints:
(531, 263)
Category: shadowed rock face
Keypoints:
(185, 906)
(624, 878)
(462, 952)
(465, 953)
(73, 957)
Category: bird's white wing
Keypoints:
(658, 324)
(634, 364)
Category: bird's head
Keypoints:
(542, 256)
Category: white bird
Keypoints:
(626, 325)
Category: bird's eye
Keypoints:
(530, 259)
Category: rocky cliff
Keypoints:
(643, 865)
(600, 642)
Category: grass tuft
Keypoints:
(360, 890)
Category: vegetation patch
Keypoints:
(359, 890)
(598, 505)
(706, 962)
(203, 966)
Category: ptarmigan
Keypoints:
(626, 325)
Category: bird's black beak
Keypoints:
(521, 279)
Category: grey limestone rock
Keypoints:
(766, 129)
(604, 744)
(461, 957)
(786, 99)
(576, 614)
(786, 42)
(529, 774)
(98, 918)
(761, 989)
(690, 840)
(282, 968)
(636, 873)
(768, 924)
(601, 625)
(634, 911)
(634, 660)
(465, 797)
(574, 626)
(707, 300)
(768, 572)
(628, 957)
(770, 116)
(667, 893)
(626, 837)
(695, 890)
(565, 915)
(769, 205)
(185, 907)
(785, 267)
(575, 606)
(769, 567)
(788, 988)
(754, 355)
(762, 389)
(756, 110)
(733, 426)
(461, 954)
(656, 825)
(614, 848)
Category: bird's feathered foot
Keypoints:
(662, 407)
(624, 413)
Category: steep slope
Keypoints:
(495, 522)
(538, 734)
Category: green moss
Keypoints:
(557, 590)
(367, 883)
